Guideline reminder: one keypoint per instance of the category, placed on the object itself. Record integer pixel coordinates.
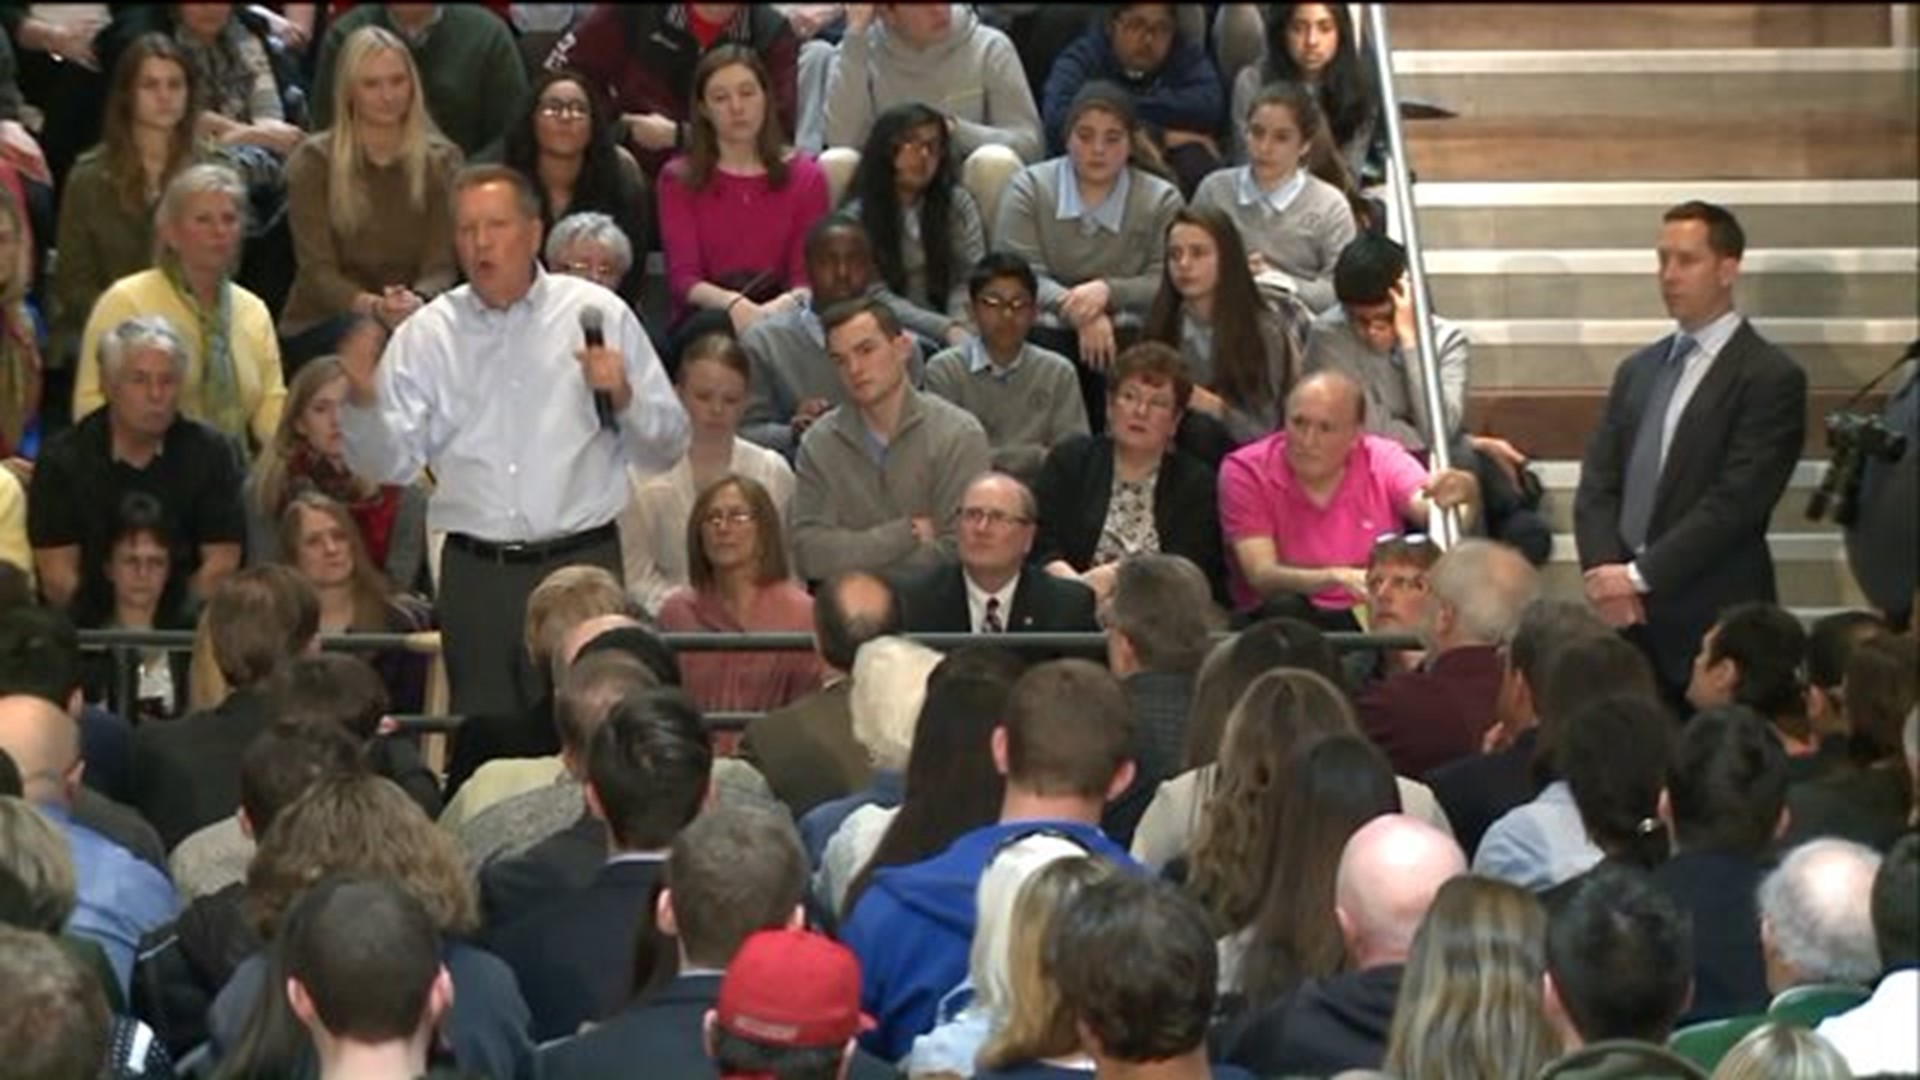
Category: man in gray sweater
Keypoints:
(1027, 397)
(880, 477)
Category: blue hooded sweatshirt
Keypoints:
(913, 927)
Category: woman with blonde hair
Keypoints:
(1034, 1029)
(308, 453)
(1470, 1002)
(21, 374)
(369, 201)
(233, 381)
(1783, 1052)
(365, 826)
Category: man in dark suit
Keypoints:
(735, 870)
(187, 771)
(648, 770)
(806, 750)
(993, 589)
(1701, 433)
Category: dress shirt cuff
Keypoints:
(1639, 583)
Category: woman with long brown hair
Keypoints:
(736, 207)
(21, 375)
(106, 208)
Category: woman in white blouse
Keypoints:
(712, 383)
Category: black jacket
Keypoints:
(574, 957)
(186, 772)
(1076, 483)
(1326, 1026)
(1042, 603)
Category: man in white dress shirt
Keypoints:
(492, 386)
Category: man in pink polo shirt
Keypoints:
(1302, 507)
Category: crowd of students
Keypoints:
(991, 319)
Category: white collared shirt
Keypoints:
(1708, 342)
(495, 401)
(1110, 215)
(980, 362)
(1246, 190)
(977, 603)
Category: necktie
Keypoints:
(992, 624)
(1643, 466)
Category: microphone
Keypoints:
(593, 328)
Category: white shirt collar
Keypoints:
(977, 602)
(1247, 190)
(978, 361)
(1110, 215)
(1712, 337)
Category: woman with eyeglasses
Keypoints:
(1104, 497)
(738, 584)
(924, 228)
(568, 146)
(712, 383)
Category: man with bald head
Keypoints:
(992, 588)
(1439, 712)
(118, 897)
(806, 749)
(1389, 872)
(1301, 508)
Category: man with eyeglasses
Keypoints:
(1176, 88)
(1396, 589)
(992, 588)
(878, 479)
(1028, 398)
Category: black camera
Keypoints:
(1853, 438)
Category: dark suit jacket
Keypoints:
(937, 602)
(1476, 791)
(1426, 718)
(660, 1036)
(1717, 890)
(186, 772)
(1731, 456)
(1076, 484)
(515, 887)
(807, 751)
(574, 956)
(1161, 701)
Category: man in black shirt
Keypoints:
(139, 442)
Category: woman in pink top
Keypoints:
(735, 208)
(737, 563)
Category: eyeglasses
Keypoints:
(595, 271)
(1004, 305)
(1145, 27)
(739, 515)
(565, 110)
(980, 515)
(1131, 399)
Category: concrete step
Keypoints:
(1855, 283)
(1804, 145)
(1716, 84)
(1556, 423)
(1626, 214)
(1638, 26)
(1557, 354)
(1562, 478)
(1810, 570)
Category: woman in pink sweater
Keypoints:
(735, 208)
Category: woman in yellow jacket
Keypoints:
(233, 378)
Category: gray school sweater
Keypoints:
(788, 357)
(1024, 411)
(1396, 408)
(1303, 241)
(851, 511)
(1064, 255)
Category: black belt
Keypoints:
(538, 551)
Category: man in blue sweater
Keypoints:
(1065, 748)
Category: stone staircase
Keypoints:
(1578, 124)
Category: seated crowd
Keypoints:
(1023, 319)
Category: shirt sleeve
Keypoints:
(654, 431)
(1397, 471)
(1244, 513)
(679, 234)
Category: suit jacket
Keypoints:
(1161, 701)
(574, 956)
(1479, 790)
(1076, 484)
(1731, 456)
(1717, 889)
(187, 772)
(807, 751)
(1042, 603)
(514, 887)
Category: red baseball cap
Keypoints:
(792, 988)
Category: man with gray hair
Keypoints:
(1441, 711)
(992, 587)
(138, 443)
(1816, 916)
(1159, 623)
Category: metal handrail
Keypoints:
(1444, 526)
